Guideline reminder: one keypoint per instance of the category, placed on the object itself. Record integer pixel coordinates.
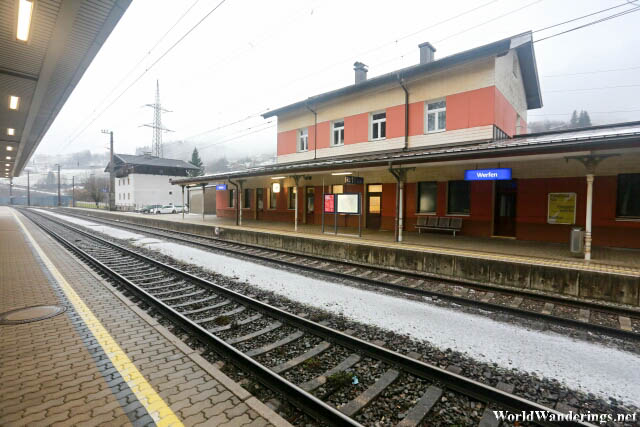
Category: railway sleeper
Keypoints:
(367, 396)
(238, 323)
(322, 379)
(233, 312)
(292, 363)
(192, 294)
(207, 308)
(270, 327)
(268, 347)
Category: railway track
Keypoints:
(242, 329)
(613, 320)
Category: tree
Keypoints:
(573, 123)
(94, 187)
(584, 120)
(197, 162)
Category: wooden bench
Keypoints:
(441, 223)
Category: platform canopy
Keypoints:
(45, 48)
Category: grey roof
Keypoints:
(148, 160)
(522, 43)
(570, 140)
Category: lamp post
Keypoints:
(112, 180)
(58, 165)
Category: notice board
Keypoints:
(329, 203)
(561, 208)
(349, 203)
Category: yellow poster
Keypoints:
(561, 208)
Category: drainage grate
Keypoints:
(30, 314)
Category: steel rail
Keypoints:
(463, 385)
(617, 332)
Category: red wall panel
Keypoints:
(470, 109)
(458, 111)
(395, 121)
(505, 114)
(416, 118)
(324, 134)
(287, 142)
(356, 128)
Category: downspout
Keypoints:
(315, 131)
(237, 207)
(406, 112)
(398, 219)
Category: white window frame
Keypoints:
(333, 129)
(435, 111)
(377, 122)
(303, 140)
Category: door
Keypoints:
(374, 206)
(504, 211)
(259, 202)
(310, 204)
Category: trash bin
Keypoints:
(576, 241)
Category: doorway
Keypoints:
(374, 206)
(259, 202)
(504, 210)
(310, 204)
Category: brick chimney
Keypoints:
(361, 71)
(426, 52)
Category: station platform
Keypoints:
(99, 360)
(613, 275)
(617, 260)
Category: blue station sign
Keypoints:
(221, 186)
(487, 174)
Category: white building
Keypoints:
(144, 180)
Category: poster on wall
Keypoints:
(329, 203)
(561, 208)
(349, 203)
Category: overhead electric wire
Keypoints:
(617, 15)
(592, 88)
(117, 85)
(148, 68)
(590, 112)
(592, 72)
(581, 17)
(201, 148)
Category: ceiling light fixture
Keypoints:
(8, 157)
(14, 102)
(25, 12)
(11, 131)
(7, 164)
(277, 177)
(342, 173)
(9, 148)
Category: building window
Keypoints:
(436, 113)
(246, 201)
(337, 189)
(427, 197)
(310, 199)
(232, 199)
(337, 133)
(303, 139)
(628, 202)
(378, 125)
(292, 197)
(128, 196)
(458, 198)
(128, 180)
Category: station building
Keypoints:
(445, 138)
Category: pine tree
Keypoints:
(197, 162)
(584, 120)
(573, 123)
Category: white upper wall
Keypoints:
(138, 190)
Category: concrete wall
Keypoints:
(600, 286)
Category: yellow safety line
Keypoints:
(153, 403)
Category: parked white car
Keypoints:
(165, 209)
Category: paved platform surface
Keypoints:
(103, 361)
(609, 260)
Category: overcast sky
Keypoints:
(248, 56)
